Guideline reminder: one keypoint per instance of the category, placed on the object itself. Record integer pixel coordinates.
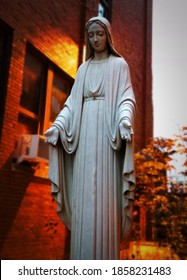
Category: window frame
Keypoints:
(48, 72)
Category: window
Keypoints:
(45, 88)
(5, 52)
(104, 9)
(32, 84)
(60, 89)
(33, 93)
(26, 125)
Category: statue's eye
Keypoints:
(90, 35)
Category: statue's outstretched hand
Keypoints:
(52, 135)
(126, 130)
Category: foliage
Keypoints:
(181, 145)
(166, 212)
(151, 165)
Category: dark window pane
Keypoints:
(60, 91)
(5, 52)
(30, 98)
(2, 39)
(104, 9)
(26, 125)
(101, 10)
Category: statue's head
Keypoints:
(104, 23)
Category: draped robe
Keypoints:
(101, 239)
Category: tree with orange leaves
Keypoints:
(166, 221)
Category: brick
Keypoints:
(56, 29)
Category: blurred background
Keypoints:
(41, 47)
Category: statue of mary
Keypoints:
(91, 150)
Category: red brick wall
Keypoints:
(132, 25)
(26, 203)
(34, 231)
(132, 33)
(55, 28)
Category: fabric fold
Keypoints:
(118, 103)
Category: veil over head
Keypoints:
(106, 25)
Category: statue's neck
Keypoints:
(101, 55)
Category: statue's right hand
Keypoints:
(52, 135)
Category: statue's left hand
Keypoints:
(126, 130)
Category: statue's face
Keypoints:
(97, 37)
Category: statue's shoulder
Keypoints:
(84, 64)
(82, 68)
(120, 61)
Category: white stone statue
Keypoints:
(91, 157)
